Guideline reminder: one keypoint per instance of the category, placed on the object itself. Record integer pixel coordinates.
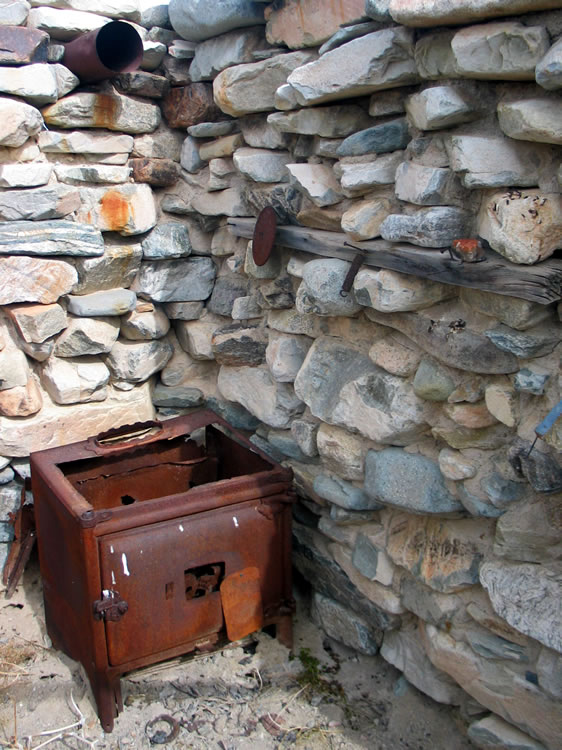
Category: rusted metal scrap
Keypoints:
(23, 521)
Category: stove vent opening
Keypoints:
(203, 580)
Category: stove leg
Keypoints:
(284, 631)
(107, 693)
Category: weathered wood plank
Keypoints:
(540, 283)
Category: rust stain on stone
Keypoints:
(115, 210)
(105, 111)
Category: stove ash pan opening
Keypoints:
(157, 540)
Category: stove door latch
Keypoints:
(110, 607)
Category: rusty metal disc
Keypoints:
(264, 236)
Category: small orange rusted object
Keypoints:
(467, 251)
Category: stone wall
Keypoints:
(406, 408)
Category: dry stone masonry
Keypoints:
(406, 408)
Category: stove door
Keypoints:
(170, 582)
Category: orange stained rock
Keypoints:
(115, 211)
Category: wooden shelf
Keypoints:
(540, 283)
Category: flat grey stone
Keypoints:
(515, 313)
(142, 83)
(176, 280)
(380, 60)
(84, 336)
(502, 492)
(250, 87)
(25, 175)
(36, 323)
(342, 624)
(225, 291)
(50, 238)
(534, 119)
(380, 139)
(18, 121)
(347, 33)
(319, 292)
(283, 441)
(179, 396)
(220, 52)
(145, 326)
(529, 381)
(183, 310)
(196, 20)
(95, 173)
(136, 361)
(117, 267)
(36, 83)
(429, 186)
(343, 493)
(235, 414)
(336, 121)
(167, 240)
(429, 227)
(501, 50)
(123, 113)
(259, 133)
(358, 178)
(236, 346)
(99, 304)
(13, 12)
(212, 129)
(317, 182)
(51, 202)
(548, 72)
(407, 480)
(528, 597)
(262, 165)
(378, 10)
(80, 142)
(525, 344)
(440, 107)
(493, 732)
(190, 159)
(285, 355)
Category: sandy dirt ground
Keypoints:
(254, 695)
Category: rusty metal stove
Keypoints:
(157, 540)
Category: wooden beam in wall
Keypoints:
(540, 283)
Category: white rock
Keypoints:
(396, 354)
(358, 178)
(317, 182)
(185, 280)
(103, 303)
(501, 402)
(390, 291)
(342, 452)
(536, 119)
(492, 732)
(153, 55)
(64, 24)
(36, 323)
(14, 368)
(141, 326)
(490, 161)
(504, 50)
(195, 336)
(25, 175)
(196, 20)
(26, 279)
(262, 165)
(120, 9)
(117, 267)
(65, 78)
(13, 12)
(75, 381)
(136, 361)
(444, 12)
(528, 597)
(381, 60)
(286, 97)
(548, 72)
(79, 142)
(258, 133)
(220, 52)
(363, 219)
(403, 649)
(319, 292)
(251, 87)
(526, 229)
(229, 202)
(109, 110)
(285, 354)
(18, 121)
(440, 107)
(455, 466)
(88, 174)
(87, 336)
(429, 186)
(127, 209)
(277, 403)
(329, 122)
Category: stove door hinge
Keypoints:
(110, 607)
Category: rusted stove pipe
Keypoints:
(105, 52)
